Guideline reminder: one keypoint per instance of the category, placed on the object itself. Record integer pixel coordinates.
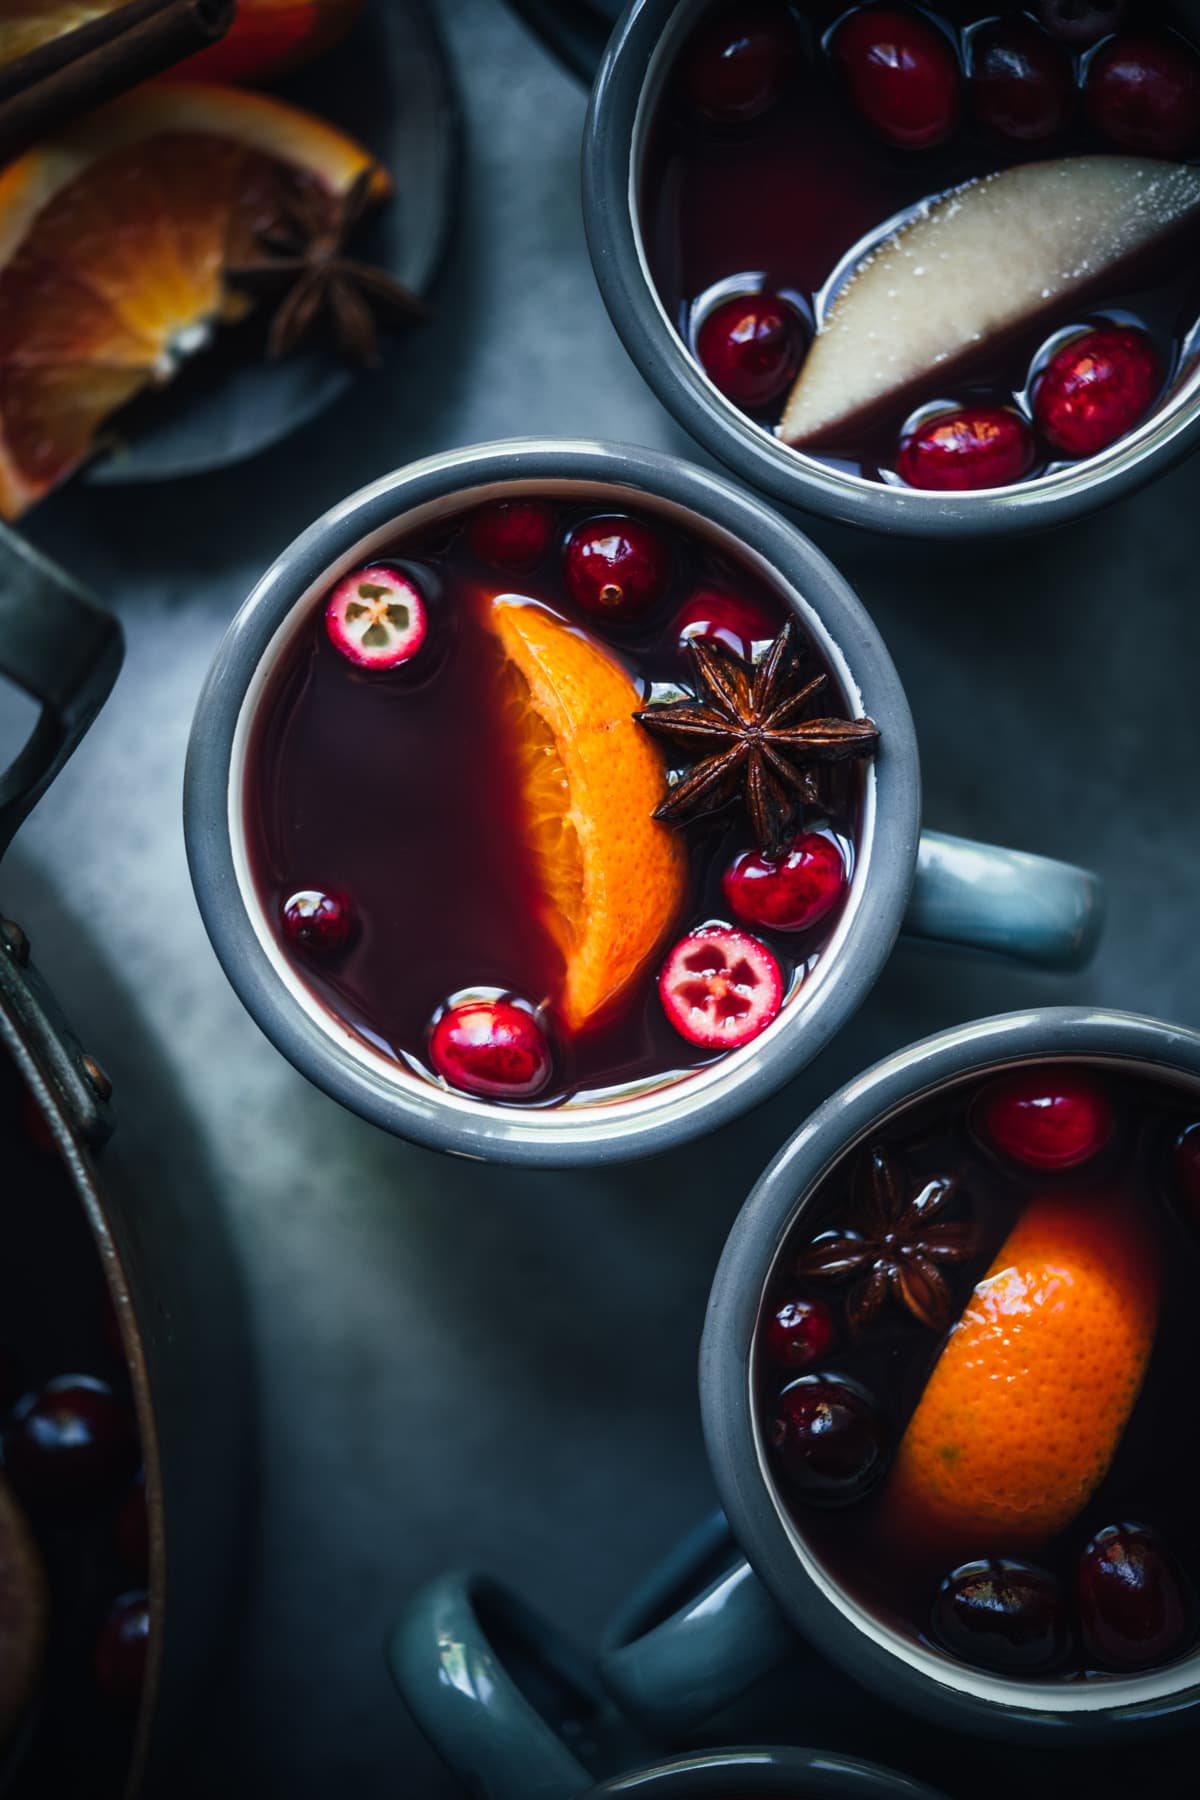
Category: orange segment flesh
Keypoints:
(114, 241)
(1027, 1403)
(613, 877)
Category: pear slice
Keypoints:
(984, 259)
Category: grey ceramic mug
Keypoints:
(517, 1714)
(639, 55)
(1044, 912)
(713, 1622)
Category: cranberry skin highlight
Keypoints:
(616, 568)
(751, 348)
(724, 619)
(512, 534)
(790, 895)
(967, 451)
(491, 1048)
(317, 922)
(1081, 23)
(1144, 94)
(70, 1445)
(1022, 82)
(738, 64)
(800, 1333)
(1003, 1615)
(1047, 1119)
(827, 1440)
(121, 1649)
(902, 73)
(1133, 1606)
(1095, 388)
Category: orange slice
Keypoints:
(1028, 1401)
(114, 241)
(612, 876)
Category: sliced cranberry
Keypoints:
(491, 1048)
(1097, 387)
(828, 1440)
(1003, 1615)
(70, 1445)
(512, 534)
(751, 347)
(903, 75)
(376, 618)
(121, 1649)
(1081, 22)
(1187, 1172)
(616, 567)
(1144, 93)
(318, 922)
(720, 987)
(133, 1529)
(1133, 1603)
(793, 894)
(737, 623)
(962, 452)
(1022, 82)
(800, 1332)
(738, 61)
(1046, 1118)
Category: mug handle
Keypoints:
(697, 1634)
(501, 1694)
(984, 897)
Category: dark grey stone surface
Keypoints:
(466, 1365)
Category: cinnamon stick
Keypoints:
(81, 69)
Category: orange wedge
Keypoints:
(612, 876)
(114, 241)
(1028, 1401)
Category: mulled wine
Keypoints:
(946, 247)
(973, 1372)
(553, 801)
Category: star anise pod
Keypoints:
(305, 254)
(747, 727)
(894, 1245)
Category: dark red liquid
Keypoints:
(401, 790)
(1154, 1476)
(777, 203)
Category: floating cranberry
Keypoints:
(736, 623)
(720, 987)
(1081, 22)
(800, 1332)
(1097, 387)
(1002, 1615)
(318, 922)
(1022, 82)
(616, 567)
(491, 1048)
(1046, 1118)
(133, 1529)
(1187, 1172)
(70, 1445)
(1144, 93)
(751, 347)
(121, 1649)
(793, 894)
(1133, 1604)
(512, 534)
(376, 618)
(903, 75)
(738, 62)
(828, 1440)
(962, 452)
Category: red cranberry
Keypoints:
(133, 1530)
(903, 75)
(1081, 22)
(1133, 1604)
(1002, 1615)
(318, 922)
(491, 1048)
(616, 567)
(961, 452)
(828, 1440)
(376, 618)
(1144, 93)
(1097, 387)
(751, 347)
(790, 895)
(1022, 82)
(1187, 1172)
(38, 1128)
(736, 623)
(512, 534)
(800, 1332)
(121, 1649)
(738, 62)
(1046, 1118)
(70, 1445)
(720, 987)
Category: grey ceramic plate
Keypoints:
(390, 84)
(576, 31)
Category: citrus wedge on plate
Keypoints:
(613, 878)
(114, 242)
